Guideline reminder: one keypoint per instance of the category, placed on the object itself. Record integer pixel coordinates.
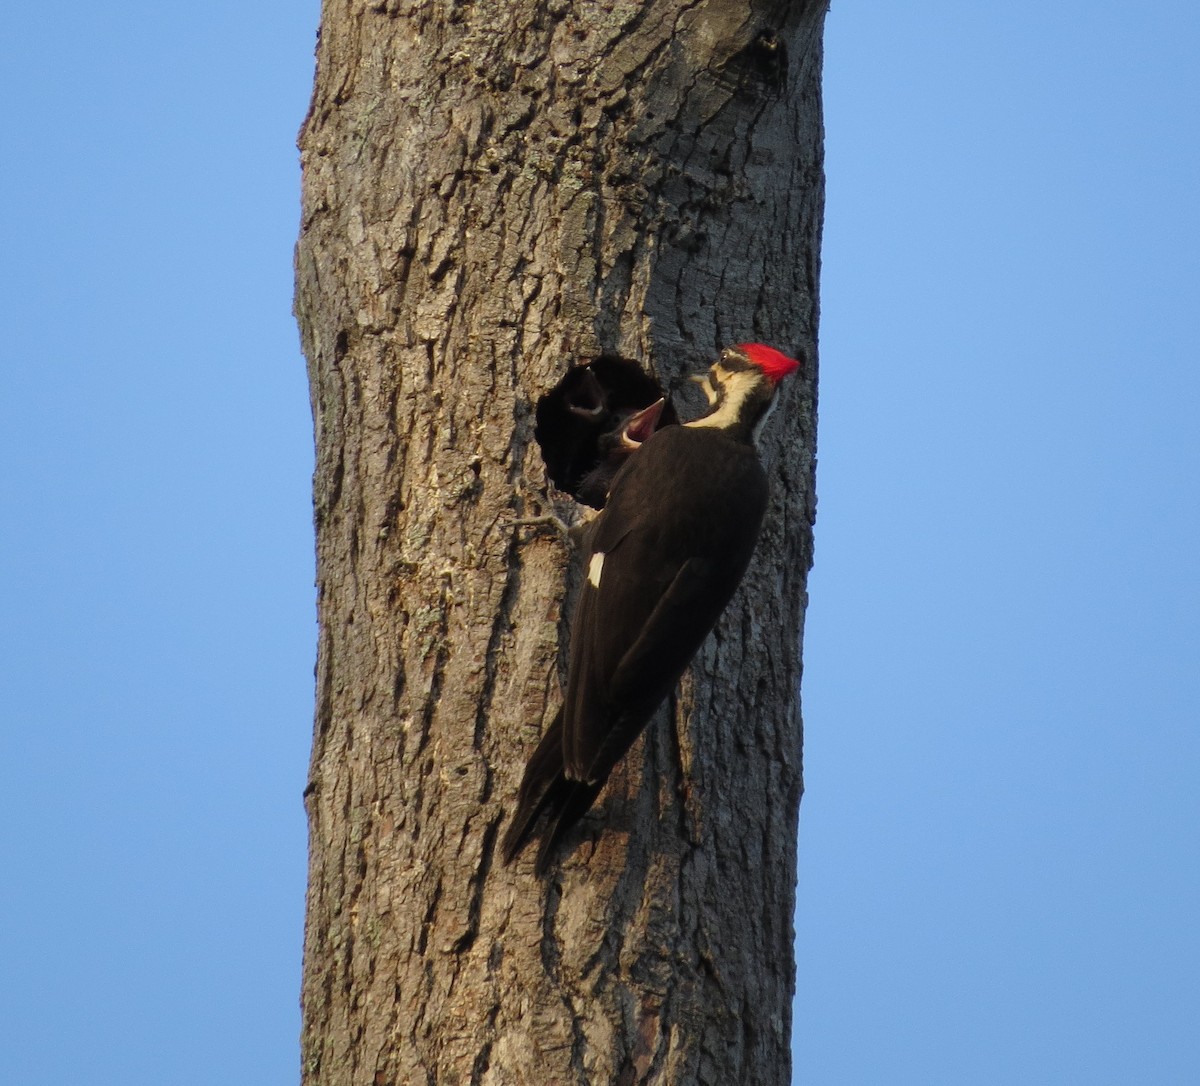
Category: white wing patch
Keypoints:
(595, 568)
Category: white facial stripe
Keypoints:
(738, 386)
(595, 569)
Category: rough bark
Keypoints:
(491, 192)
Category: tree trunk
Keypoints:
(493, 192)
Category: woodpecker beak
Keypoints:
(708, 384)
(640, 426)
(588, 400)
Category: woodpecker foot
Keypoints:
(547, 520)
(572, 535)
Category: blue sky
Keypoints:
(999, 861)
(999, 843)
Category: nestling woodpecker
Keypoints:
(581, 422)
(614, 448)
(662, 560)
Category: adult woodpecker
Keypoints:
(662, 560)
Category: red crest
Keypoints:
(775, 364)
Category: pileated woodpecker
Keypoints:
(662, 560)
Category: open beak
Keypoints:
(640, 426)
(587, 401)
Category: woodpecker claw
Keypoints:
(570, 534)
(546, 520)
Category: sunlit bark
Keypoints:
(492, 191)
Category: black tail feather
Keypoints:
(545, 788)
(572, 801)
(542, 781)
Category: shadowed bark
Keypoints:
(491, 192)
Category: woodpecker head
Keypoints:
(740, 387)
(637, 427)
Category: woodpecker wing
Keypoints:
(665, 556)
(670, 636)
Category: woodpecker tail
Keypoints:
(542, 783)
(545, 788)
(572, 800)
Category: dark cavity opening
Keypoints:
(594, 419)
